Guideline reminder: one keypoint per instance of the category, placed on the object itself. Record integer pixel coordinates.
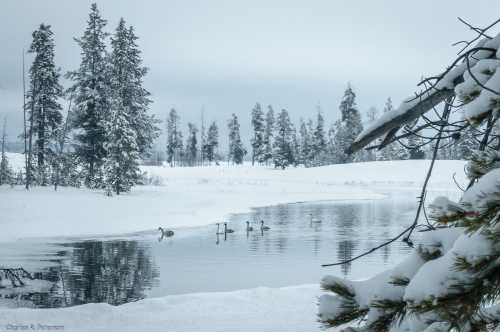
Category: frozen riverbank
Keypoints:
(259, 309)
(204, 195)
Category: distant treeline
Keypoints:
(276, 141)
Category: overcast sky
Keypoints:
(224, 56)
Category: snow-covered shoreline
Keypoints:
(259, 309)
(205, 195)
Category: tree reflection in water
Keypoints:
(114, 272)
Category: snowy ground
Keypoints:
(204, 195)
(259, 309)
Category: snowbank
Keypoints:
(260, 309)
(204, 195)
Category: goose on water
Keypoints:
(227, 230)
(166, 232)
(218, 230)
(263, 227)
(314, 220)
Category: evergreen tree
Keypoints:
(338, 146)
(6, 174)
(212, 142)
(121, 166)
(45, 90)
(191, 145)
(295, 147)
(127, 76)
(236, 149)
(268, 135)
(305, 145)
(92, 98)
(319, 140)
(174, 141)
(349, 126)
(180, 152)
(135, 96)
(125, 144)
(331, 145)
(69, 174)
(259, 132)
(283, 142)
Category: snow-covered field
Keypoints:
(190, 197)
(204, 195)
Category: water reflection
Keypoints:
(113, 272)
(301, 238)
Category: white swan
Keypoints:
(313, 220)
(262, 227)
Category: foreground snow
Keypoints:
(259, 309)
(204, 195)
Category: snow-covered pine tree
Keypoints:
(179, 152)
(283, 141)
(338, 146)
(121, 167)
(349, 126)
(212, 142)
(122, 146)
(191, 145)
(305, 145)
(173, 142)
(330, 147)
(137, 98)
(451, 280)
(43, 97)
(236, 149)
(295, 147)
(6, 173)
(269, 135)
(69, 173)
(319, 140)
(92, 98)
(258, 138)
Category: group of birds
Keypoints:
(248, 228)
(169, 233)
